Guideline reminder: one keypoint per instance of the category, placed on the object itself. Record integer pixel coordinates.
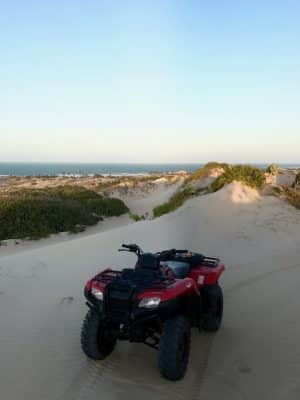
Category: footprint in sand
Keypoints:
(67, 300)
(243, 367)
(243, 235)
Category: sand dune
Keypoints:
(254, 355)
(140, 199)
(142, 202)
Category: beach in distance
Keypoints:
(80, 169)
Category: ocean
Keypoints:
(80, 169)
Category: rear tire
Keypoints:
(174, 348)
(96, 340)
(213, 320)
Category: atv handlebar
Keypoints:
(132, 248)
(167, 254)
(163, 255)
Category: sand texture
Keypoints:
(255, 355)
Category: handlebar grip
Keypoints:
(131, 246)
(134, 248)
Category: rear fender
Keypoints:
(204, 275)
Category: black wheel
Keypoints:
(97, 342)
(174, 348)
(213, 320)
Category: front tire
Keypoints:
(174, 348)
(96, 340)
(213, 320)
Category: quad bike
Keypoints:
(156, 303)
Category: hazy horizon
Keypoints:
(159, 82)
(268, 162)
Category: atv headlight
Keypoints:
(97, 293)
(149, 302)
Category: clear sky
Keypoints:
(150, 81)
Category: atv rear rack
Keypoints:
(210, 261)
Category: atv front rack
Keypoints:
(137, 277)
(107, 276)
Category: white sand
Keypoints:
(142, 202)
(285, 178)
(208, 179)
(255, 355)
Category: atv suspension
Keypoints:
(152, 341)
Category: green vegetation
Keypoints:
(205, 170)
(175, 201)
(36, 213)
(137, 217)
(297, 179)
(109, 184)
(293, 197)
(273, 169)
(247, 174)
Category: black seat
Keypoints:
(148, 261)
(180, 269)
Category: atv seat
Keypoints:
(180, 269)
(148, 261)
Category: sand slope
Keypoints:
(254, 355)
(143, 201)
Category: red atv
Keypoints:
(155, 303)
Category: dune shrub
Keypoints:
(111, 207)
(205, 170)
(273, 169)
(176, 201)
(109, 184)
(293, 197)
(247, 174)
(297, 180)
(137, 217)
(36, 213)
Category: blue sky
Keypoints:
(150, 81)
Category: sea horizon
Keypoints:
(82, 168)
